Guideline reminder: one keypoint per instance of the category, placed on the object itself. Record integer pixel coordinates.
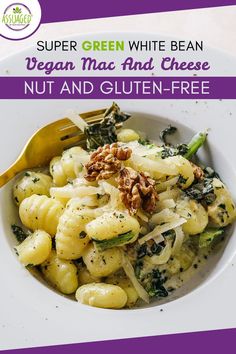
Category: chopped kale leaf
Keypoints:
(169, 151)
(104, 132)
(208, 236)
(144, 141)
(156, 248)
(210, 173)
(149, 249)
(182, 180)
(202, 191)
(182, 149)
(142, 251)
(167, 131)
(153, 283)
(138, 268)
(82, 234)
(114, 242)
(170, 233)
(35, 180)
(19, 233)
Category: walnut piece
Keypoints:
(198, 172)
(106, 161)
(137, 191)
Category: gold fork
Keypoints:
(48, 142)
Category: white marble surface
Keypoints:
(216, 26)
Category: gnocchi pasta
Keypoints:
(35, 249)
(130, 217)
(41, 212)
(68, 166)
(102, 263)
(60, 273)
(102, 295)
(111, 225)
(196, 216)
(85, 277)
(71, 238)
(127, 135)
(223, 211)
(31, 183)
(126, 285)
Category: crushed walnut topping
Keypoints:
(106, 161)
(137, 191)
(198, 172)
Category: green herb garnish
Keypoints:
(196, 142)
(114, 242)
(186, 150)
(144, 141)
(153, 284)
(202, 191)
(208, 236)
(182, 180)
(104, 132)
(82, 234)
(149, 250)
(35, 179)
(167, 131)
(19, 233)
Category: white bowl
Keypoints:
(209, 155)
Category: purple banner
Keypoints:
(72, 10)
(217, 342)
(118, 87)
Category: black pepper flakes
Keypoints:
(82, 234)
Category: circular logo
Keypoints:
(19, 20)
(17, 17)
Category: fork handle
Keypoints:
(12, 171)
